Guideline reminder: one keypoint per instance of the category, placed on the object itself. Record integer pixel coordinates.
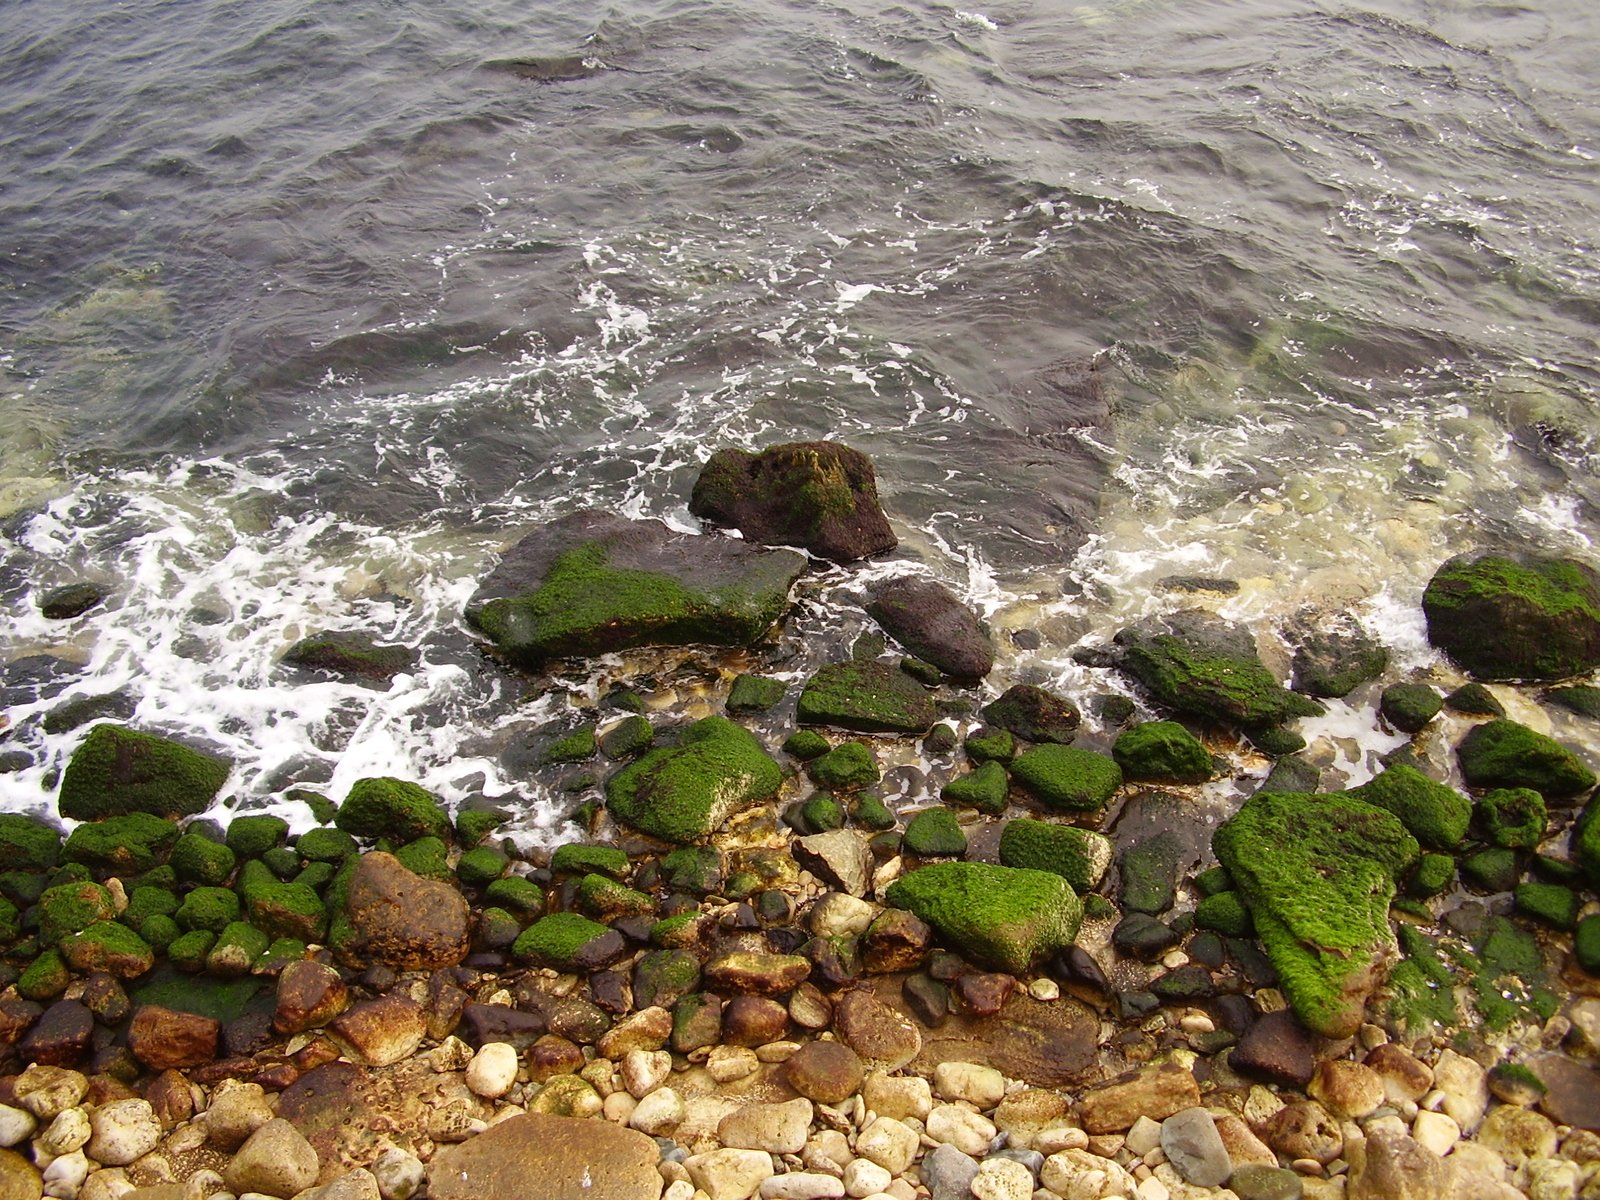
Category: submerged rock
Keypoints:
(1504, 618)
(593, 583)
(1195, 662)
(822, 496)
(1007, 917)
(684, 792)
(930, 621)
(1335, 656)
(350, 653)
(1318, 873)
(119, 770)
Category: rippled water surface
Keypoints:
(311, 308)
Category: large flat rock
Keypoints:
(555, 1158)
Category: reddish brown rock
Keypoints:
(310, 994)
(60, 1036)
(163, 1038)
(16, 1018)
(984, 993)
(570, 1158)
(754, 974)
(551, 1056)
(753, 1021)
(170, 1097)
(398, 919)
(824, 1071)
(1304, 1129)
(1156, 1093)
(383, 1031)
(881, 1035)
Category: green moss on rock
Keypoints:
(694, 869)
(325, 845)
(1318, 873)
(1436, 815)
(1063, 777)
(685, 792)
(1537, 618)
(69, 907)
(1586, 842)
(283, 910)
(1550, 903)
(606, 899)
(1512, 817)
(755, 694)
(212, 908)
(1586, 943)
(130, 843)
(198, 859)
(1225, 913)
(805, 744)
(556, 940)
(481, 866)
(576, 746)
(108, 946)
(1005, 917)
(1433, 874)
(581, 858)
(1080, 856)
(1491, 870)
(868, 697)
(46, 977)
(236, 949)
(1034, 714)
(848, 767)
(28, 843)
(991, 745)
(1583, 699)
(392, 808)
(630, 736)
(1506, 754)
(119, 770)
(252, 836)
(515, 893)
(188, 953)
(159, 931)
(1162, 752)
(985, 789)
(871, 813)
(427, 857)
(935, 833)
(820, 812)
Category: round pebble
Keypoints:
(493, 1070)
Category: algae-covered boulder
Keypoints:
(593, 583)
(1436, 815)
(848, 767)
(28, 843)
(822, 496)
(1586, 842)
(381, 807)
(282, 910)
(568, 942)
(1162, 752)
(930, 621)
(1334, 656)
(868, 697)
(135, 841)
(984, 789)
(1512, 817)
(1195, 662)
(1034, 714)
(352, 654)
(119, 770)
(1064, 777)
(108, 946)
(1506, 754)
(1080, 856)
(1505, 618)
(1006, 917)
(685, 792)
(1317, 873)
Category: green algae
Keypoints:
(848, 767)
(135, 842)
(252, 836)
(1436, 815)
(868, 697)
(28, 843)
(119, 770)
(1006, 917)
(1505, 754)
(755, 694)
(556, 940)
(1512, 817)
(935, 833)
(198, 859)
(1502, 619)
(582, 858)
(985, 789)
(1064, 777)
(384, 807)
(1080, 856)
(685, 792)
(1162, 752)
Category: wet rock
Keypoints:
(927, 999)
(1077, 965)
(117, 771)
(61, 1035)
(696, 1022)
(840, 857)
(551, 1055)
(1334, 656)
(593, 583)
(822, 496)
(881, 1036)
(572, 1159)
(647, 1029)
(686, 791)
(310, 994)
(1304, 1129)
(1156, 1093)
(824, 1071)
(755, 1021)
(1505, 754)
(162, 1038)
(1193, 1146)
(983, 993)
(948, 1173)
(1572, 1091)
(756, 974)
(123, 1130)
(1505, 618)
(890, 1143)
(71, 600)
(729, 1174)
(1149, 870)
(1394, 1167)
(776, 1128)
(383, 1031)
(400, 920)
(1257, 1181)
(1080, 856)
(1409, 707)
(237, 1110)
(896, 941)
(276, 1160)
(1278, 1049)
(351, 654)
(1007, 917)
(483, 1023)
(1034, 714)
(867, 697)
(1143, 936)
(1346, 1089)
(931, 622)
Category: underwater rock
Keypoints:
(1006, 917)
(685, 792)
(1334, 656)
(593, 583)
(72, 600)
(119, 770)
(1504, 618)
(352, 654)
(930, 621)
(1318, 873)
(821, 496)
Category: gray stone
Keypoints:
(948, 1173)
(840, 857)
(1194, 1147)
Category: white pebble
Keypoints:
(659, 1112)
(1044, 989)
(1002, 1179)
(493, 1070)
(962, 1128)
(66, 1133)
(863, 1177)
(16, 1125)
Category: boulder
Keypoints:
(1034, 714)
(1506, 754)
(1161, 752)
(1318, 873)
(397, 919)
(351, 654)
(821, 496)
(685, 792)
(1080, 856)
(1515, 618)
(1195, 662)
(1334, 656)
(162, 1038)
(592, 583)
(396, 809)
(1067, 778)
(1008, 917)
(868, 697)
(1436, 815)
(119, 770)
(931, 622)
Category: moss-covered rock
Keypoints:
(557, 940)
(1080, 856)
(871, 813)
(1474, 700)
(188, 953)
(282, 910)
(236, 949)
(324, 845)
(1162, 752)
(1066, 778)
(991, 745)
(1583, 699)
(1585, 944)
(513, 892)
(146, 902)
(605, 899)
(119, 770)
(1225, 913)
(932, 623)
(984, 789)
(1506, 754)
(352, 654)
(1409, 706)
(1550, 903)
(935, 833)
(28, 843)
(1195, 662)
(1512, 817)
(213, 908)
(755, 694)
(592, 583)
(1148, 872)
(46, 977)
(481, 866)
(159, 931)
(130, 843)
(1006, 917)
(685, 792)
(694, 869)
(582, 858)
(1317, 873)
(1586, 842)
(1500, 618)
(805, 744)
(868, 697)
(1491, 870)
(198, 859)
(475, 824)
(629, 736)
(1432, 875)
(69, 907)
(1034, 714)
(252, 836)
(427, 857)
(108, 946)
(819, 813)
(848, 767)
(1436, 815)
(822, 496)
(1275, 741)
(576, 746)
(392, 808)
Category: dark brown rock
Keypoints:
(897, 940)
(16, 1018)
(810, 1008)
(1034, 714)
(382, 1031)
(163, 1038)
(575, 1018)
(170, 1097)
(447, 1000)
(612, 991)
(824, 1071)
(310, 994)
(927, 999)
(551, 1056)
(1572, 1095)
(819, 495)
(882, 1035)
(753, 1021)
(482, 1023)
(402, 921)
(1278, 1049)
(984, 993)
(106, 998)
(570, 1158)
(930, 621)
(60, 1036)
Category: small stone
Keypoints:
(1254, 1181)
(754, 1020)
(69, 1131)
(659, 1113)
(1465, 1086)
(1436, 1131)
(383, 1031)
(1518, 1135)
(493, 1070)
(775, 1128)
(809, 1008)
(979, 1085)
(1193, 1146)
(399, 1175)
(1076, 1174)
(237, 1110)
(1044, 989)
(962, 1128)
(1303, 1129)
(1395, 1167)
(123, 1131)
(1002, 1179)
(947, 1173)
(824, 1071)
(899, 1096)
(801, 1185)
(729, 1174)
(1277, 1048)
(16, 1125)
(647, 1029)
(1156, 1093)
(310, 994)
(890, 1143)
(1346, 1089)
(728, 1063)
(863, 1177)
(1143, 1136)
(1404, 1076)
(882, 1036)
(47, 1091)
(276, 1160)
(643, 1071)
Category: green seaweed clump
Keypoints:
(1512, 817)
(382, 807)
(935, 833)
(119, 770)
(1421, 987)
(1005, 917)
(685, 792)
(283, 910)
(1538, 618)
(133, 842)
(984, 789)
(1162, 752)
(557, 940)
(28, 843)
(1409, 706)
(252, 836)
(606, 899)
(576, 746)
(868, 697)
(848, 767)
(213, 908)
(1080, 856)
(1436, 815)
(1318, 873)
(1225, 913)
(1506, 754)
(1064, 777)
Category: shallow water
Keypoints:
(313, 308)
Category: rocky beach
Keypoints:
(871, 928)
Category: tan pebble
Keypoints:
(1152, 1189)
(1372, 1036)
(1106, 1145)
(777, 1052)
(1436, 1131)
(1306, 1166)
(1053, 1139)
(728, 1063)
(618, 1107)
(1143, 1136)
(493, 1070)
(679, 1189)
(46, 1092)
(863, 1177)
(967, 1131)
(658, 1113)
(729, 1174)
(452, 1054)
(1044, 990)
(900, 1189)
(977, 1084)
(801, 1185)
(897, 1096)
(1197, 1023)
(1002, 1179)
(1156, 1157)
(1270, 1000)
(1173, 959)
(69, 1130)
(890, 1143)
